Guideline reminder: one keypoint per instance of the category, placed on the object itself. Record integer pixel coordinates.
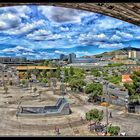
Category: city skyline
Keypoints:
(45, 32)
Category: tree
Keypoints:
(23, 82)
(34, 89)
(58, 73)
(44, 80)
(28, 74)
(95, 72)
(95, 115)
(79, 73)
(66, 75)
(95, 89)
(113, 130)
(134, 87)
(46, 63)
(71, 71)
(10, 83)
(75, 83)
(5, 89)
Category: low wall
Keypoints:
(61, 107)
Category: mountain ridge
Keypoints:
(121, 51)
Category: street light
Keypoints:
(62, 84)
(107, 104)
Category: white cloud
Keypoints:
(64, 29)
(115, 38)
(82, 53)
(92, 39)
(124, 35)
(108, 23)
(9, 20)
(60, 52)
(20, 11)
(25, 27)
(137, 37)
(111, 46)
(59, 14)
(17, 49)
(39, 34)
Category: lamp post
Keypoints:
(107, 104)
(62, 83)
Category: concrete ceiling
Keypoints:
(129, 12)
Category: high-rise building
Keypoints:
(71, 57)
(62, 56)
(134, 53)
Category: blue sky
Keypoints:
(43, 32)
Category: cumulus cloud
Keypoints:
(92, 39)
(64, 29)
(17, 49)
(111, 46)
(20, 11)
(60, 52)
(95, 37)
(23, 28)
(106, 23)
(45, 35)
(59, 14)
(39, 34)
(8, 20)
(83, 53)
(115, 38)
(124, 35)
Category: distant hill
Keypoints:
(116, 52)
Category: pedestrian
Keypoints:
(57, 130)
(81, 118)
(102, 112)
(110, 115)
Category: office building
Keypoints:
(134, 53)
(71, 57)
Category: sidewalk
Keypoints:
(120, 108)
(116, 107)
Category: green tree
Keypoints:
(66, 75)
(44, 80)
(75, 83)
(96, 72)
(113, 130)
(79, 73)
(95, 89)
(28, 74)
(58, 73)
(34, 89)
(134, 87)
(23, 82)
(95, 115)
(10, 83)
(71, 71)
(46, 63)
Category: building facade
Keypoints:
(71, 57)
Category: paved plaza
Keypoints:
(68, 124)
